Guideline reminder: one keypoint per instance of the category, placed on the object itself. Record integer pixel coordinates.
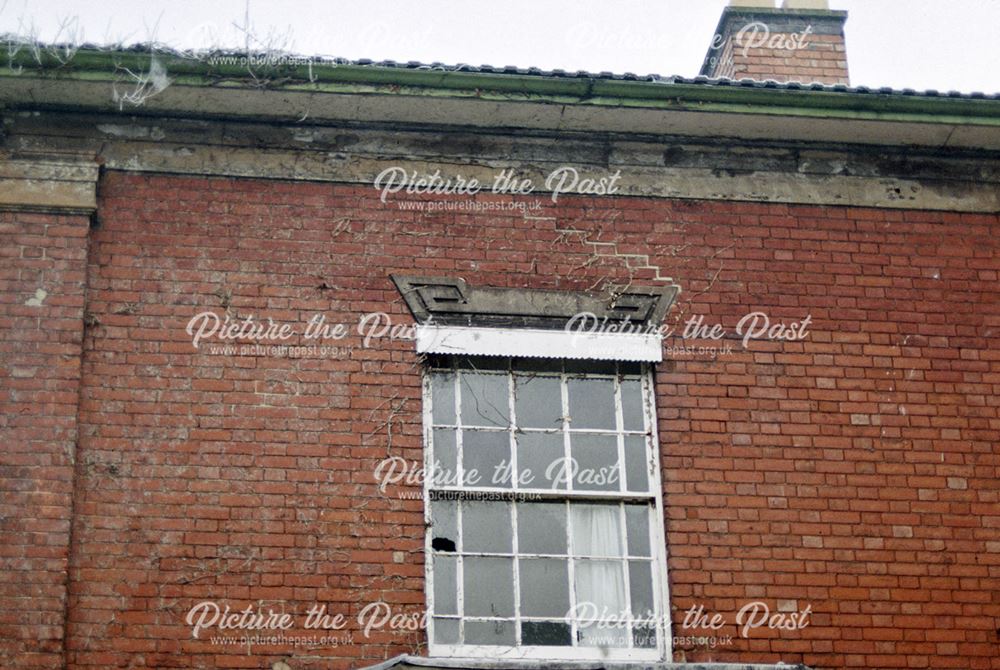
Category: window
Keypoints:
(544, 510)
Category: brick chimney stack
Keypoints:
(802, 41)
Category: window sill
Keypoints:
(408, 662)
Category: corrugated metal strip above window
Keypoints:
(538, 343)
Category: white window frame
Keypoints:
(658, 546)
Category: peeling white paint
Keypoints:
(303, 135)
(132, 132)
(39, 298)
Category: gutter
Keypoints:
(439, 82)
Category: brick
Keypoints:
(791, 474)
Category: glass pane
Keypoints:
(644, 637)
(603, 635)
(636, 463)
(494, 633)
(600, 588)
(489, 587)
(486, 458)
(485, 399)
(444, 525)
(592, 403)
(595, 462)
(541, 528)
(541, 461)
(544, 587)
(546, 633)
(596, 530)
(444, 466)
(538, 402)
(443, 397)
(446, 631)
(637, 527)
(445, 584)
(486, 527)
(632, 404)
(640, 585)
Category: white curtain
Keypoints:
(597, 531)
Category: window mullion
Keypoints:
(657, 534)
(459, 449)
(623, 523)
(429, 557)
(620, 436)
(513, 509)
(571, 574)
(564, 399)
(567, 510)
(459, 543)
(623, 534)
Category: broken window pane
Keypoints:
(592, 403)
(485, 399)
(486, 527)
(444, 522)
(489, 587)
(544, 587)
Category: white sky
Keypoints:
(922, 44)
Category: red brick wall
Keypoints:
(40, 342)
(823, 59)
(854, 472)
